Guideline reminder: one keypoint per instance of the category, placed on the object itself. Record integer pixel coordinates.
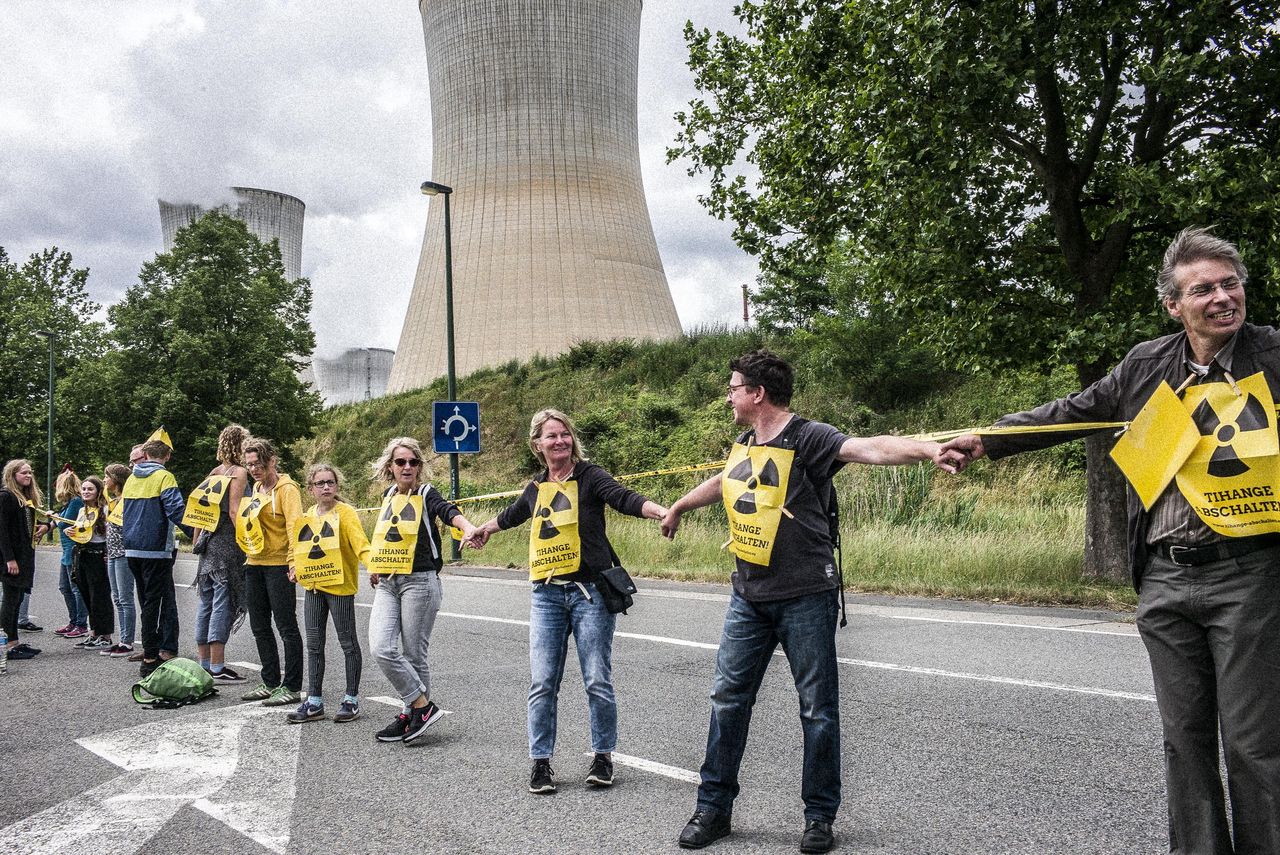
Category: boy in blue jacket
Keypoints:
(153, 505)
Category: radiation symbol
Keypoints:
(1225, 462)
(559, 502)
(399, 510)
(320, 539)
(744, 473)
(210, 487)
(249, 513)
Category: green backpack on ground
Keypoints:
(175, 683)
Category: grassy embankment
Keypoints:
(1011, 531)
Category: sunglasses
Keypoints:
(412, 462)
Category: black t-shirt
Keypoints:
(783, 552)
(595, 488)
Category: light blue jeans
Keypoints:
(213, 611)
(121, 579)
(400, 624)
(555, 613)
(77, 611)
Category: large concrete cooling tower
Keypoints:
(533, 111)
(269, 215)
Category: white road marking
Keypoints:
(1084, 628)
(655, 767)
(863, 663)
(196, 760)
(396, 702)
(252, 666)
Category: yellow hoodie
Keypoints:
(278, 517)
(353, 545)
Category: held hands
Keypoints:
(476, 539)
(966, 449)
(671, 523)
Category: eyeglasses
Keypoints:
(412, 462)
(328, 482)
(735, 386)
(258, 464)
(1229, 286)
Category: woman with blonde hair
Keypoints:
(568, 550)
(118, 573)
(220, 574)
(404, 568)
(19, 495)
(66, 490)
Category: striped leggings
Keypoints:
(317, 607)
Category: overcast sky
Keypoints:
(105, 107)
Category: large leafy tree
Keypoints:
(212, 333)
(46, 293)
(1003, 176)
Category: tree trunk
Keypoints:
(1106, 538)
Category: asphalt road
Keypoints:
(966, 729)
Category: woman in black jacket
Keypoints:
(568, 550)
(18, 497)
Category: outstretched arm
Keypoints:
(896, 450)
(706, 493)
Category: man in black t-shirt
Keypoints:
(776, 489)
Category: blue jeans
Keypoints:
(77, 612)
(555, 613)
(400, 623)
(806, 628)
(213, 612)
(122, 595)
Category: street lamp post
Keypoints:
(432, 188)
(49, 337)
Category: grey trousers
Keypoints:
(404, 612)
(1213, 635)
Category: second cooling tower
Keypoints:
(533, 109)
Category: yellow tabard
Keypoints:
(82, 530)
(204, 505)
(317, 558)
(395, 537)
(555, 547)
(115, 510)
(248, 529)
(1156, 444)
(754, 488)
(1230, 478)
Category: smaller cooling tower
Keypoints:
(268, 214)
(357, 375)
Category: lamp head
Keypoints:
(432, 188)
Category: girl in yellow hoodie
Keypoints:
(329, 545)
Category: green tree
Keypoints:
(48, 294)
(1005, 175)
(212, 333)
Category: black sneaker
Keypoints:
(227, 675)
(601, 772)
(146, 669)
(395, 731)
(28, 626)
(540, 780)
(420, 718)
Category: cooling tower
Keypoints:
(269, 215)
(357, 375)
(533, 111)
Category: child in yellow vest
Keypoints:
(329, 545)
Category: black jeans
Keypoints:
(90, 576)
(270, 595)
(1213, 635)
(10, 598)
(158, 621)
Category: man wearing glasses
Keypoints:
(1208, 596)
(777, 492)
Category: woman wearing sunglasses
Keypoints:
(404, 568)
